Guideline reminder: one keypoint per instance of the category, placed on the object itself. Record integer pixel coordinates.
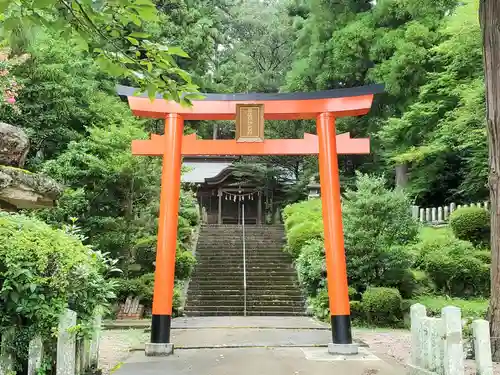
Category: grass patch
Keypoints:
(472, 308)
(429, 233)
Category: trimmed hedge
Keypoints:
(382, 306)
(471, 224)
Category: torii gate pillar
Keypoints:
(325, 107)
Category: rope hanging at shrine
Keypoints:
(240, 197)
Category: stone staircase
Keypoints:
(216, 287)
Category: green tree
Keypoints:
(112, 32)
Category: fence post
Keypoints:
(5, 358)
(414, 211)
(95, 341)
(453, 345)
(452, 207)
(35, 353)
(422, 215)
(446, 213)
(482, 347)
(417, 313)
(434, 215)
(428, 215)
(66, 345)
(440, 215)
(436, 346)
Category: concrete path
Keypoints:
(255, 346)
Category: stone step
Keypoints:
(259, 277)
(269, 309)
(240, 313)
(239, 293)
(251, 287)
(270, 272)
(237, 256)
(295, 303)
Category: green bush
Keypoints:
(377, 227)
(297, 213)
(353, 294)
(320, 305)
(471, 224)
(358, 314)
(453, 266)
(43, 271)
(311, 267)
(484, 256)
(382, 306)
(300, 234)
(184, 264)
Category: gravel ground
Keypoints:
(115, 346)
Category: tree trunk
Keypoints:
(489, 13)
(401, 175)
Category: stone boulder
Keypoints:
(21, 189)
(14, 145)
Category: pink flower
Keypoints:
(11, 100)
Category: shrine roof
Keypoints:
(202, 169)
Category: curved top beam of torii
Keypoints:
(281, 106)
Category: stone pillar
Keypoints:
(453, 344)
(482, 347)
(66, 345)
(417, 313)
(35, 352)
(440, 218)
(95, 341)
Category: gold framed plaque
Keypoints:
(249, 122)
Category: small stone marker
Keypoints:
(94, 343)
(35, 352)
(417, 313)
(453, 344)
(66, 345)
(482, 347)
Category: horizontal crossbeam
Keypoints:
(192, 146)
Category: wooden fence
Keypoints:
(437, 344)
(74, 356)
(440, 215)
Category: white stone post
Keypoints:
(35, 353)
(482, 347)
(453, 344)
(434, 214)
(66, 345)
(428, 215)
(446, 213)
(417, 313)
(5, 358)
(436, 346)
(95, 341)
(440, 215)
(422, 215)
(452, 207)
(414, 211)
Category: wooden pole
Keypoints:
(167, 230)
(334, 236)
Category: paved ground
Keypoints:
(256, 346)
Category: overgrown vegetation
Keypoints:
(44, 271)
(387, 259)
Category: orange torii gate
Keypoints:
(250, 111)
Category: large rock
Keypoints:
(22, 189)
(14, 145)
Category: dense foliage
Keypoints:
(389, 257)
(471, 224)
(44, 271)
